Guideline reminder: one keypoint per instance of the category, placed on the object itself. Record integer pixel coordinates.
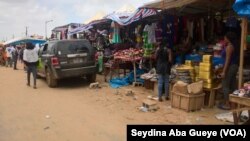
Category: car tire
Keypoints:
(50, 79)
(91, 78)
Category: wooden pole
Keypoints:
(242, 47)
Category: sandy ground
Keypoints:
(73, 112)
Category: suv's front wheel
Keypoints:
(51, 81)
(91, 78)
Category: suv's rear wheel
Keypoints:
(91, 78)
(50, 79)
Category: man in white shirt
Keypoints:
(30, 58)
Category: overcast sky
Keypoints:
(15, 15)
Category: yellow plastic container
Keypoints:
(208, 86)
(205, 68)
(206, 65)
(188, 63)
(209, 81)
(207, 58)
(205, 75)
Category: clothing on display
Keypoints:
(190, 28)
(138, 35)
(158, 33)
(151, 32)
(169, 30)
(116, 33)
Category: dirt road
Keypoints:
(73, 112)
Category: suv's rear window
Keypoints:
(72, 47)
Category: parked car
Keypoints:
(65, 59)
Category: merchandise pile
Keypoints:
(218, 49)
(243, 92)
(151, 75)
(129, 54)
(184, 73)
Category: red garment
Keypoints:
(176, 23)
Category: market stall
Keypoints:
(130, 55)
(205, 22)
(240, 98)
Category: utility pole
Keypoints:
(26, 31)
(46, 22)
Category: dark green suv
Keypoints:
(67, 58)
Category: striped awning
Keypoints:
(128, 19)
(80, 29)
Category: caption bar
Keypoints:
(194, 132)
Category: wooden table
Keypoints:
(133, 60)
(241, 103)
(211, 95)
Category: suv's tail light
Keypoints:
(54, 61)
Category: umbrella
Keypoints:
(242, 8)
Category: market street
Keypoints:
(73, 112)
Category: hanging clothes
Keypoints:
(169, 27)
(138, 34)
(116, 33)
(202, 29)
(158, 33)
(151, 32)
(190, 28)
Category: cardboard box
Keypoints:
(187, 102)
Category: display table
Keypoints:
(130, 55)
(211, 95)
(241, 104)
(133, 61)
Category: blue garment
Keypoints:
(218, 61)
(194, 57)
(163, 80)
(235, 55)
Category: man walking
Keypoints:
(14, 57)
(8, 51)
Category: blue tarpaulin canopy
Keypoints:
(242, 8)
(24, 40)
